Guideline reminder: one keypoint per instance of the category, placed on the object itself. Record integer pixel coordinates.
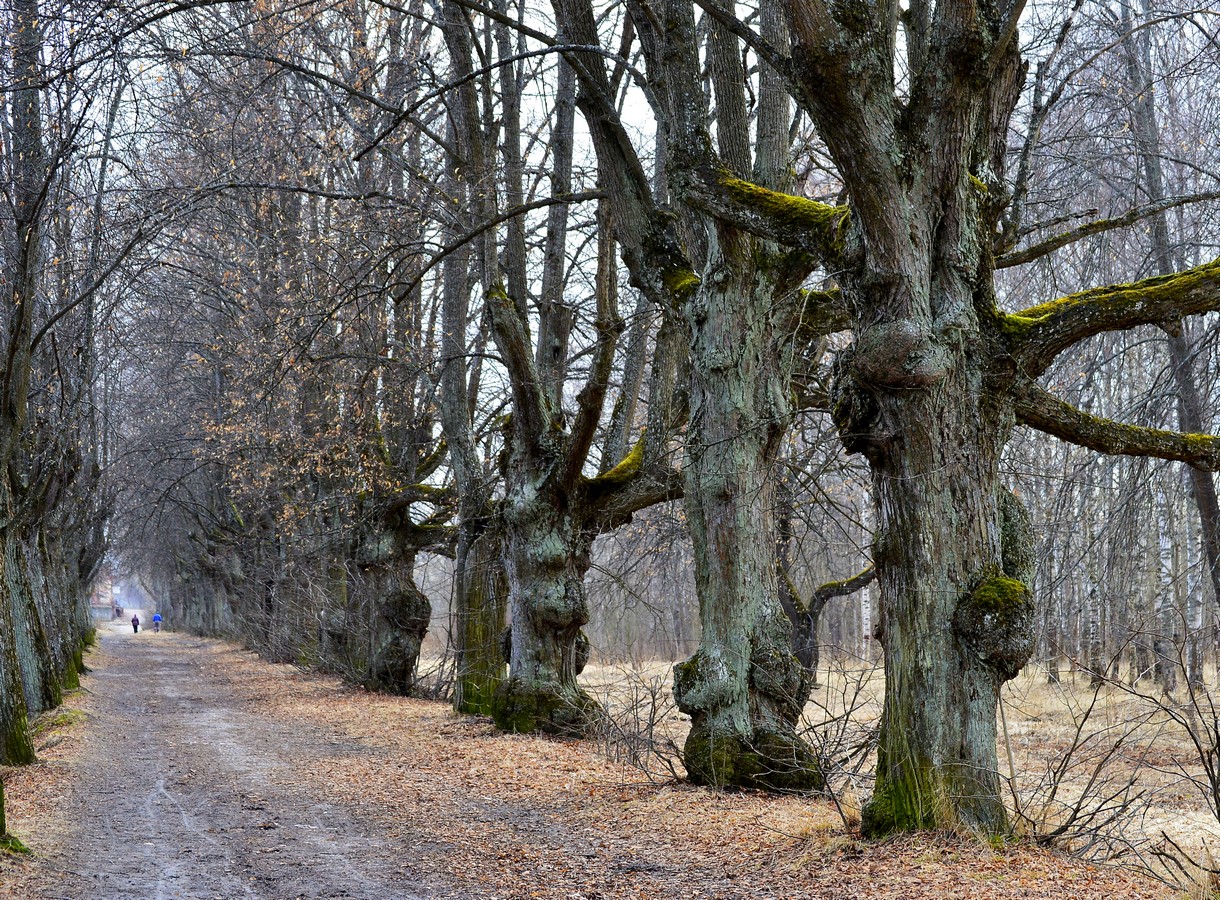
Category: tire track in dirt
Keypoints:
(181, 793)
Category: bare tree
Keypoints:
(938, 375)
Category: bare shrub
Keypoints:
(841, 723)
(1112, 787)
(641, 723)
(1188, 708)
(1087, 797)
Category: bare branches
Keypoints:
(610, 326)
(1100, 226)
(774, 56)
(1040, 409)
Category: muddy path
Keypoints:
(184, 792)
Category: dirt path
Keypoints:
(184, 794)
(201, 771)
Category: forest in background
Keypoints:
(630, 332)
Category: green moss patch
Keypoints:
(523, 707)
(622, 473)
(995, 623)
(63, 717)
(769, 761)
(828, 223)
(15, 746)
(680, 283)
(999, 594)
(10, 844)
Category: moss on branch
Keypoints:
(625, 470)
(1039, 333)
(825, 223)
(1125, 295)
(1039, 409)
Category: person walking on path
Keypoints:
(135, 623)
(156, 622)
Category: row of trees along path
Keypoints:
(298, 295)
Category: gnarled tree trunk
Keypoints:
(952, 556)
(744, 689)
(546, 556)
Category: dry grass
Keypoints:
(1082, 760)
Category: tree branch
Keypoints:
(817, 228)
(609, 327)
(767, 52)
(1039, 409)
(630, 487)
(510, 329)
(1040, 333)
(1042, 248)
(833, 589)
(821, 313)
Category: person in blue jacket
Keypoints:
(156, 621)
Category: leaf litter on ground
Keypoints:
(493, 815)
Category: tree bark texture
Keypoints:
(15, 745)
(957, 617)
(546, 556)
(34, 650)
(744, 688)
(480, 613)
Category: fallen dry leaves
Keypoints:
(483, 814)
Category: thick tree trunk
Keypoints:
(954, 558)
(546, 557)
(385, 614)
(34, 651)
(744, 689)
(480, 615)
(940, 529)
(395, 612)
(15, 746)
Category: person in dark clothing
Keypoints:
(135, 624)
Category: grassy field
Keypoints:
(1114, 773)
